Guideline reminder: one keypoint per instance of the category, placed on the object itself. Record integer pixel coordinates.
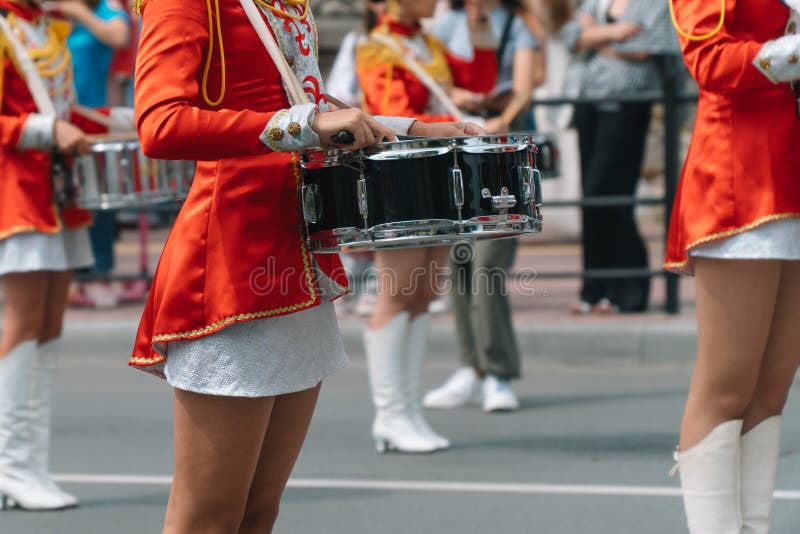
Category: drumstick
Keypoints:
(118, 136)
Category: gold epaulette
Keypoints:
(371, 54)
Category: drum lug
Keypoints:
(311, 210)
(503, 201)
(530, 180)
(363, 205)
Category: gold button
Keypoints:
(275, 134)
(794, 58)
(765, 63)
(294, 129)
(290, 61)
(792, 28)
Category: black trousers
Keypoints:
(612, 142)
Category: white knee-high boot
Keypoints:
(19, 481)
(760, 450)
(392, 428)
(710, 481)
(40, 406)
(417, 349)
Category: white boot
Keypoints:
(39, 404)
(393, 428)
(417, 348)
(710, 481)
(19, 481)
(760, 451)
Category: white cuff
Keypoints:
(37, 132)
(779, 60)
(400, 125)
(794, 4)
(122, 120)
(290, 129)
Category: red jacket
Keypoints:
(743, 166)
(26, 190)
(237, 251)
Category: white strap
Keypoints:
(422, 75)
(294, 89)
(41, 97)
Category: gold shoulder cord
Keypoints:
(138, 5)
(697, 38)
(204, 88)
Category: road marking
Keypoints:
(419, 485)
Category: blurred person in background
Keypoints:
(612, 37)
(736, 227)
(343, 80)
(42, 239)
(343, 84)
(397, 336)
(99, 28)
(488, 345)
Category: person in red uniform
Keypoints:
(396, 339)
(736, 227)
(43, 238)
(239, 319)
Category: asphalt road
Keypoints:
(588, 452)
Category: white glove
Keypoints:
(779, 60)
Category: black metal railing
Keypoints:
(672, 74)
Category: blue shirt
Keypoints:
(91, 59)
(453, 29)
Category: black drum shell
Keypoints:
(493, 171)
(336, 197)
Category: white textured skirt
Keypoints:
(263, 357)
(37, 251)
(777, 240)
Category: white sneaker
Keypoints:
(440, 305)
(457, 391)
(498, 395)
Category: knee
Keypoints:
(261, 519)
(730, 404)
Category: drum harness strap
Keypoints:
(60, 171)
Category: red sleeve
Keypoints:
(478, 75)
(722, 63)
(392, 90)
(11, 125)
(171, 121)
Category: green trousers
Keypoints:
(481, 307)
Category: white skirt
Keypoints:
(778, 240)
(264, 357)
(37, 251)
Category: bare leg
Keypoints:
(288, 424)
(402, 277)
(55, 304)
(783, 351)
(24, 317)
(218, 442)
(735, 304)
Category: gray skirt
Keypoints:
(264, 357)
(38, 251)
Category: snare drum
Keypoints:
(116, 175)
(420, 192)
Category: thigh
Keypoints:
(288, 425)
(23, 317)
(782, 355)
(218, 442)
(55, 303)
(735, 304)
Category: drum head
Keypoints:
(409, 149)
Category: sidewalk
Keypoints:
(545, 330)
